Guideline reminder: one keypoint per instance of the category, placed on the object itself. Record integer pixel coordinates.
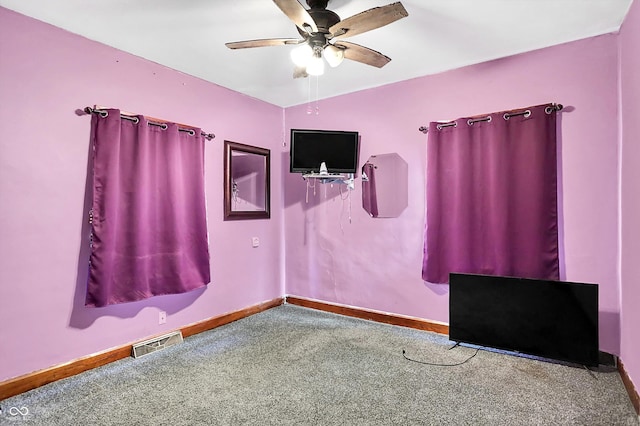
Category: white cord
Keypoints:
(349, 207)
(312, 186)
(343, 198)
(349, 197)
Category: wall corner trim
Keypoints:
(371, 315)
(628, 384)
(39, 378)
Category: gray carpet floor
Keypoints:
(296, 366)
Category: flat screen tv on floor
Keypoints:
(550, 319)
(336, 148)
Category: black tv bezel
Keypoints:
(353, 133)
(535, 337)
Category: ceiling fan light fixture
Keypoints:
(319, 27)
(315, 65)
(301, 55)
(333, 55)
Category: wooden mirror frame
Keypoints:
(229, 213)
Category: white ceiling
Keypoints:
(438, 35)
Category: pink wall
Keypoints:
(376, 263)
(45, 75)
(630, 176)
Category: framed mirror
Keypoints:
(247, 191)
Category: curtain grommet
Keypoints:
(443, 125)
(471, 122)
(525, 114)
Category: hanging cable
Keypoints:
(152, 122)
(440, 365)
(310, 186)
(345, 196)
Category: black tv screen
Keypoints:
(550, 319)
(337, 149)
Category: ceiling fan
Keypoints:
(323, 32)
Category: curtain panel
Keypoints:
(492, 196)
(149, 231)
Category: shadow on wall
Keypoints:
(560, 190)
(82, 316)
(439, 289)
(609, 322)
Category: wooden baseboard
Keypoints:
(39, 378)
(214, 322)
(631, 389)
(393, 319)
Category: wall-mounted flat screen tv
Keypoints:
(337, 149)
(550, 319)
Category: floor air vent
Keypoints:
(156, 344)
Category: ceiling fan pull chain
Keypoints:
(309, 107)
(317, 96)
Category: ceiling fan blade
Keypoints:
(300, 72)
(358, 53)
(368, 20)
(262, 43)
(298, 14)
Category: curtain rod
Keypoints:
(506, 116)
(152, 121)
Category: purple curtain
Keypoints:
(149, 233)
(492, 196)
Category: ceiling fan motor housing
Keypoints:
(317, 4)
(323, 17)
